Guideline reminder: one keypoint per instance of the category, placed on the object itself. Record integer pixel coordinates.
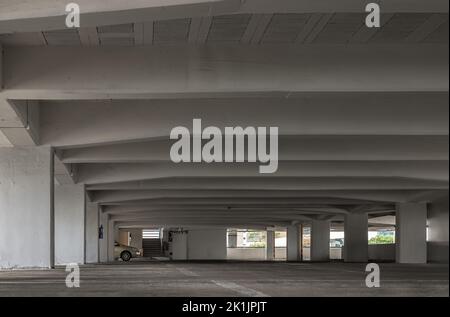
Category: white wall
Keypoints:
(91, 232)
(69, 224)
(207, 244)
(26, 207)
(438, 233)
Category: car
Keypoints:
(125, 252)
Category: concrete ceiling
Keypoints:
(277, 28)
(363, 125)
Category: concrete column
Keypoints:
(26, 208)
(92, 224)
(270, 245)
(320, 240)
(232, 239)
(70, 207)
(293, 243)
(113, 233)
(410, 236)
(103, 242)
(438, 231)
(356, 244)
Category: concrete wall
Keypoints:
(92, 241)
(179, 246)
(438, 234)
(26, 207)
(246, 254)
(382, 252)
(207, 244)
(69, 224)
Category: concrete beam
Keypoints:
(313, 148)
(110, 196)
(279, 183)
(110, 173)
(76, 123)
(95, 72)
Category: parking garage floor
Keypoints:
(155, 278)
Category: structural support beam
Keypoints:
(293, 243)
(356, 247)
(410, 236)
(320, 240)
(234, 69)
(26, 208)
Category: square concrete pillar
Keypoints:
(320, 240)
(92, 224)
(113, 235)
(70, 209)
(26, 208)
(270, 245)
(103, 240)
(411, 233)
(293, 243)
(356, 244)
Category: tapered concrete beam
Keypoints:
(109, 173)
(301, 148)
(246, 70)
(110, 196)
(277, 183)
(81, 123)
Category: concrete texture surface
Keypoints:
(153, 278)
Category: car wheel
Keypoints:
(125, 256)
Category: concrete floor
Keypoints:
(229, 279)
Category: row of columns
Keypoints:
(410, 244)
